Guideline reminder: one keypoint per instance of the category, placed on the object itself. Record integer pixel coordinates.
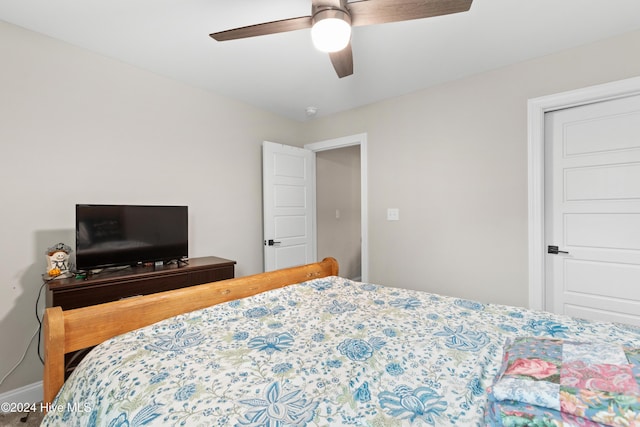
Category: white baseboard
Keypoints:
(31, 393)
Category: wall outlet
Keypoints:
(393, 214)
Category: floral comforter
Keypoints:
(328, 352)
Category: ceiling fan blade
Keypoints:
(369, 12)
(273, 27)
(343, 61)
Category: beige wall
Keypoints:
(453, 159)
(77, 127)
(80, 128)
(338, 208)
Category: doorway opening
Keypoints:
(341, 203)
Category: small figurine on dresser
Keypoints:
(58, 260)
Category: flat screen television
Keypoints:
(117, 235)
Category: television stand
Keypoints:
(112, 285)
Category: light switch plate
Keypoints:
(393, 214)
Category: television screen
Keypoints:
(113, 235)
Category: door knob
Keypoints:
(554, 250)
(271, 242)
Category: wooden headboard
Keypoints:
(71, 330)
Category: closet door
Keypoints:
(592, 210)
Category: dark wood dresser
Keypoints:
(114, 284)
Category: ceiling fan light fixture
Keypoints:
(331, 30)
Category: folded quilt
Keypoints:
(550, 382)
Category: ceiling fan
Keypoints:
(336, 17)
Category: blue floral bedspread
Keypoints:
(328, 352)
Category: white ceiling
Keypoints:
(283, 73)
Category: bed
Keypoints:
(304, 347)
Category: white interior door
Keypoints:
(592, 210)
(288, 205)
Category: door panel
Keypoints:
(290, 196)
(290, 227)
(592, 187)
(603, 230)
(606, 133)
(607, 313)
(607, 182)
(584, 276)
(289, 210)
(288, 256)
